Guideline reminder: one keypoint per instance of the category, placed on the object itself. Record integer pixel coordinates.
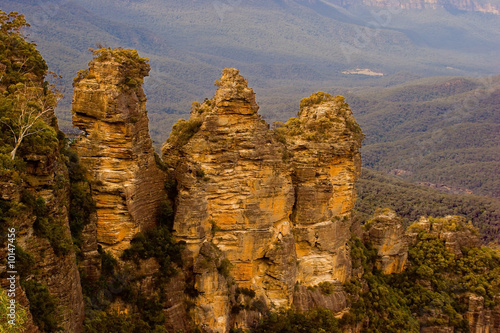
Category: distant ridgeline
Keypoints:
(484, 6)
(439, 132)
(237, 227)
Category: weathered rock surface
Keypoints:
(235, 192)
(481, 319)
(306, 298)
(109, 106)
(453, 230)
(47, 179)
(277, 209)
(322, 145)
(387, 235)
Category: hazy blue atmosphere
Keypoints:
(286, 49)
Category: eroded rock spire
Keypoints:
(273, 204)
(109, 106)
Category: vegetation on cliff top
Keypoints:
(182, 131)
(336, 120)
(431, 291)
(410, 201)
(133, 68)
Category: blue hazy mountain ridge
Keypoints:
(289, 49)
(279, 45)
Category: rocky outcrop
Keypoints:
(109, 106)
(275, 205)
(327, 296)
(234, 192)
(482, 319)
(322, 146)
(387, 235)
(43, 234)
(453, 230)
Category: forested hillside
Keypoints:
(377, 190)
(443, 131)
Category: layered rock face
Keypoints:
(53, 262)
(322, 145)
(482, 319)
(109, 106)
(387, 235)
(275, 206)
(235, 192)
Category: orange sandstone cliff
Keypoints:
(274, 204)
(109, 106)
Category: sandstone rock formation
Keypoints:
(275, 205)
(386, 233)
(46, 239)
(453, 230)
(322, 146)
(109, 106)
(482, 319)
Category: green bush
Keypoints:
(156, 243)
(21, 315)
(380, 305)
(101, 322)
(81, 208)
(224, 267)
(43, 306)
(184, 130)
(326, 288)
(25, 262)
(46, 226)
(316, 98)
(166, 214)
(82, 205)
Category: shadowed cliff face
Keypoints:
(43, 234)
(274, 203)
(109, 106)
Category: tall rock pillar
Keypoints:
(235, 197)
(323, 146)
(109, 106)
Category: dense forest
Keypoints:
(443, 131)
(410, 201)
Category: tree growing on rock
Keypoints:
(30, 105)
(26, 99)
